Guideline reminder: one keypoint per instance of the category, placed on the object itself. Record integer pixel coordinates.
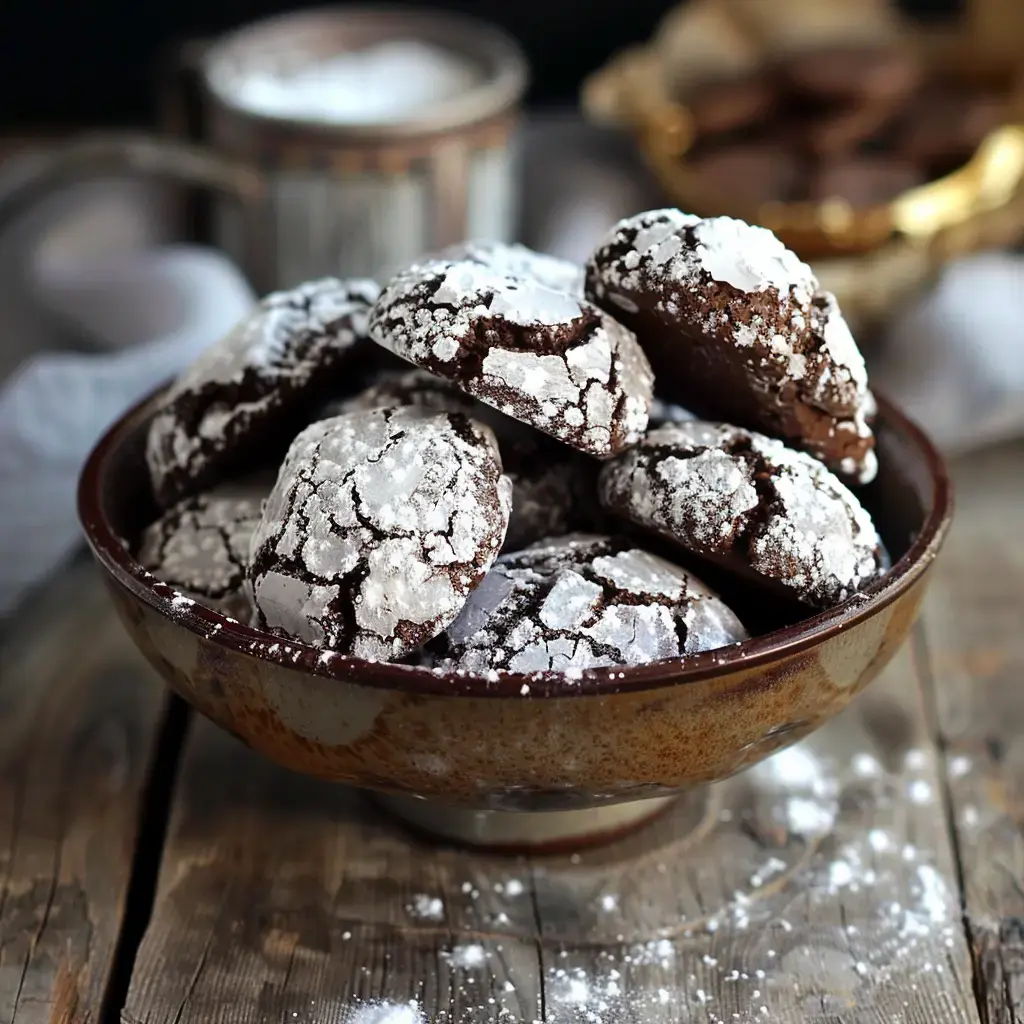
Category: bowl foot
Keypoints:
(526, 831)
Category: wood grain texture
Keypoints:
(817, 887)
(79, 716)
(974, 646)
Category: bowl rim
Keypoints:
(112, 552)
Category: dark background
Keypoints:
(72, 62)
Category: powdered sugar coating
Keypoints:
(539, 355)
(553, 487)
(840, 381)
(201, 545)
(581, 601)
(678, 249)
(736, 328)
(256, 376)
(751, 503)
(379, 525)
(519, 261)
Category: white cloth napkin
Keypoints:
(170, 303)
(954, 361)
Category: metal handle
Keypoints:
(31, 177)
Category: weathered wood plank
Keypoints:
(79, 718)
(974, 630)
(286, 899)
(822, 890)
(819, 886)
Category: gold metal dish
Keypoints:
(871, 256)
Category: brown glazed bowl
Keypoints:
(523, 760)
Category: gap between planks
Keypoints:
(972, 642)
(80, 715)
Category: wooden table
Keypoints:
(150, 866)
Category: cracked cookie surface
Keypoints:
(379, 525)
(201, 545)
(541, 356)
(245, 389)
(749, 503)
(554, 488)
(518, 260)
(737, 329)
(581, 601)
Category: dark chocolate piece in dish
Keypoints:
(748, 172)
(865, 180)
(837, 73)
(728, 104)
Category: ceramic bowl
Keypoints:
(537, 759)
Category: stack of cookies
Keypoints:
(517, 498)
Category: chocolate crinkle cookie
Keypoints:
(249, 387)
(200, 546)
(518, 260)
(750, 504)
(579, 602)
(737, 329)
(539, 355)
(553, 487)
(380, 524)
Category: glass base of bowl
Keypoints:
(525, 831)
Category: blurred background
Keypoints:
(72, 64)
(162, 164)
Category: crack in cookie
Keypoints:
(244, 392)
(538, 355)
(581, 601)
(553, 486)
(749, 503)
